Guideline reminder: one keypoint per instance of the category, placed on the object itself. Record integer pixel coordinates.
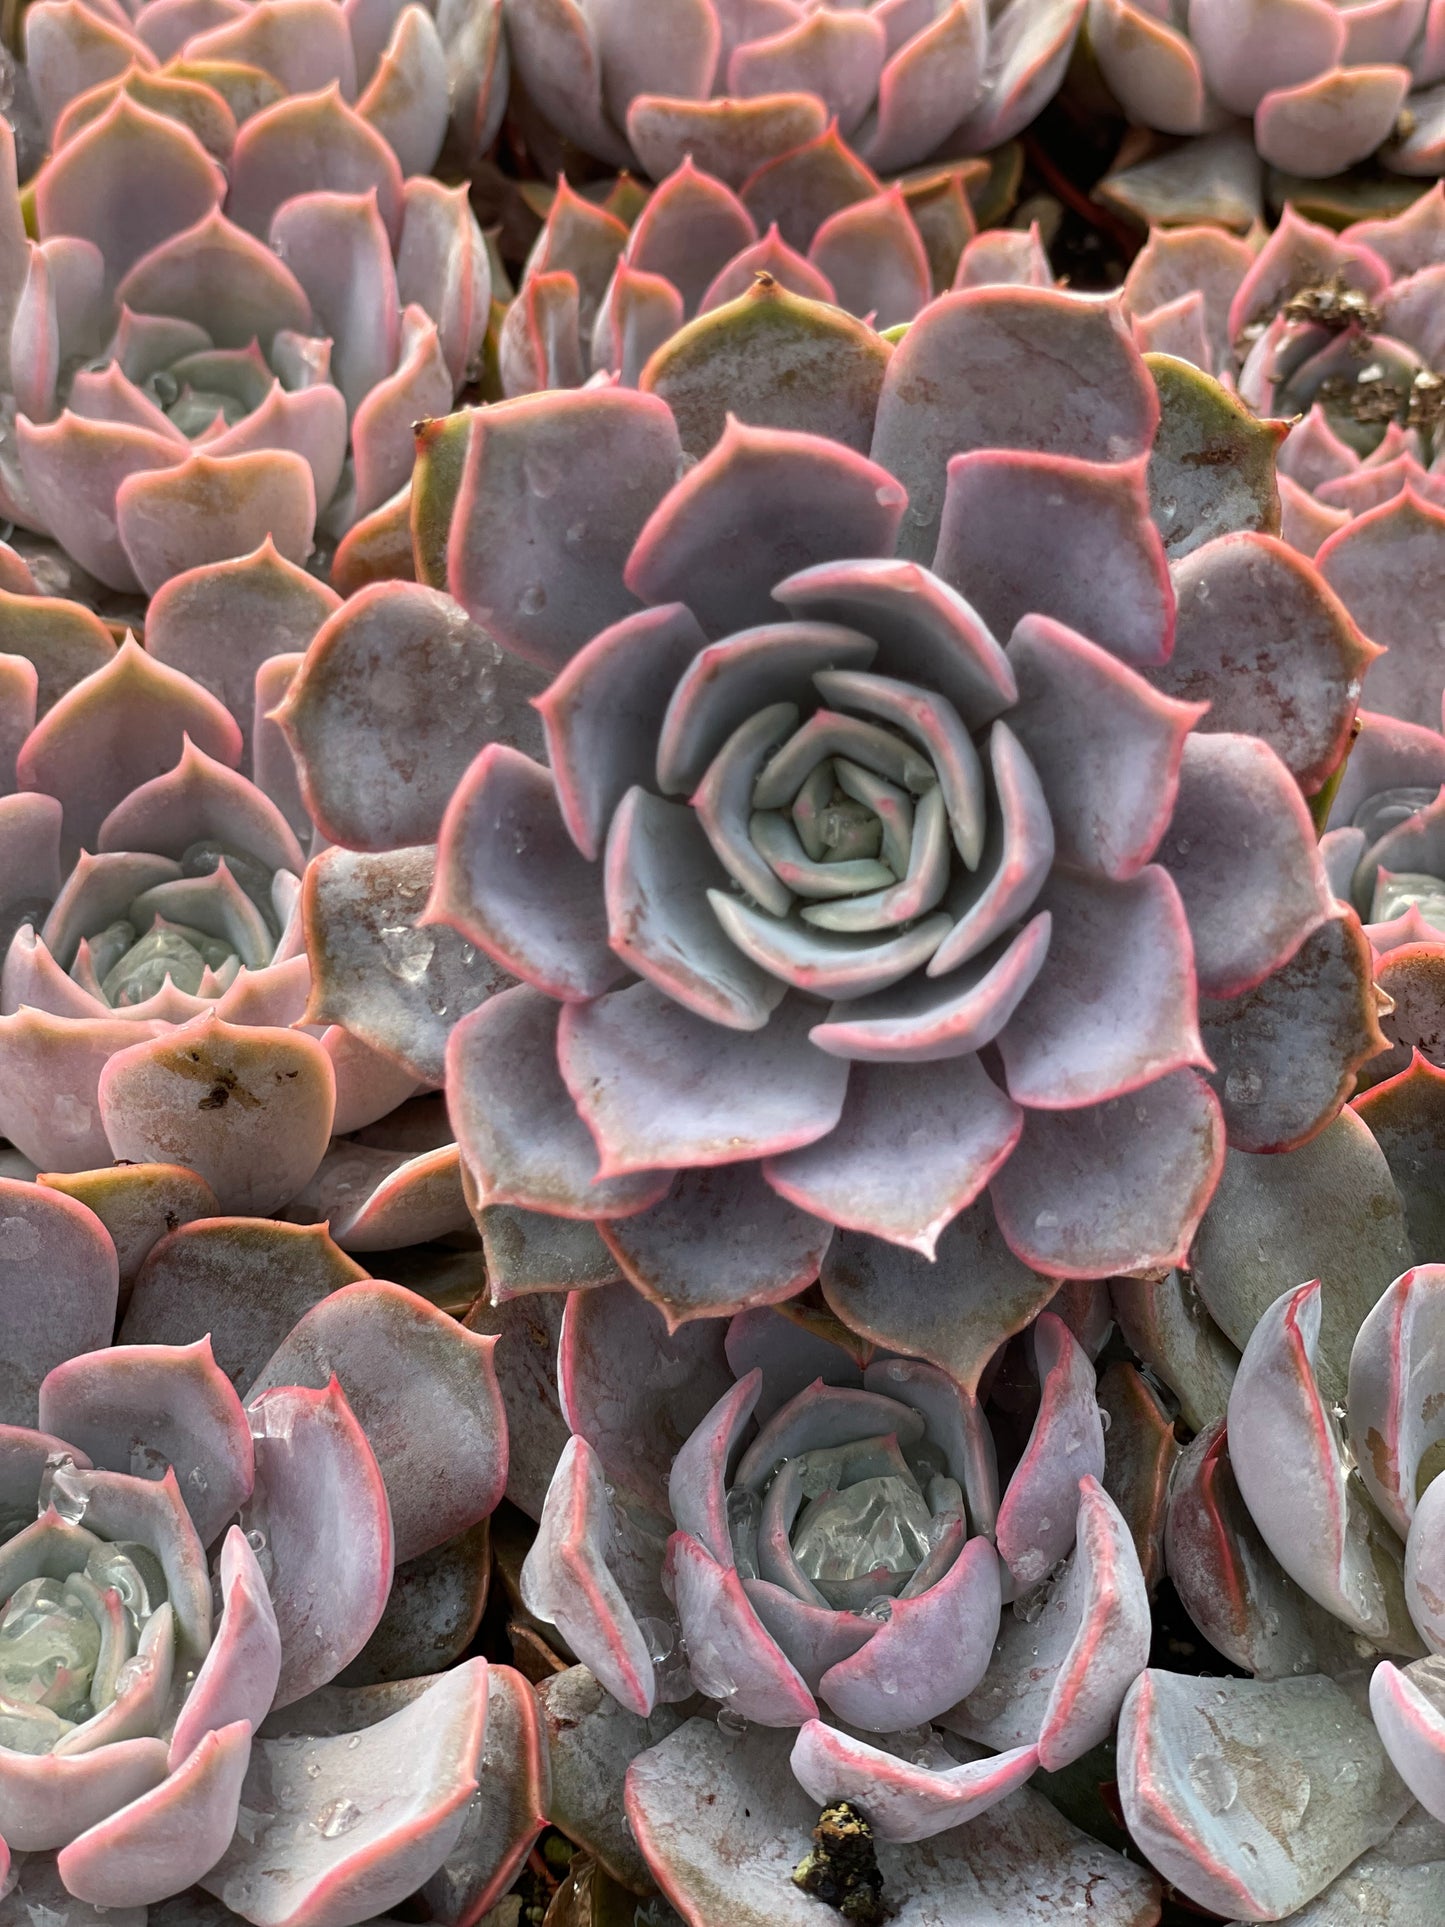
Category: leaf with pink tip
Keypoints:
(799, 190)
(1150, 68)
(218, 275)
(771, 256)
(635, 1390)
(303, 44)
(321, 1507)
(750, 1093)
(1386, 566)
(929, 85)
(1097, 1021)
(1013, 357)
(1037, 1518)
(264, 605)
(520, 1135)
(1239, 597)
(340, 242)
(1057, 1678)
(243, 1281)
(47, 1800)
(1406, 1703)
(1277, 1746)
(992, 495)
(406, 99)
(1004, 257)
(904, 1799)
(441, 263)
(1301, 254)
(731, 139)
(1114, 1188)
(678, 1258)
(127, 182)
(955, 1311)
(1288, 1053)
(787, 502)
(836, 56)
(732, 1656)
(138, 1204)
(775, 360)
(48, 1099)
(1303, 1214)
(603, 713)
(1322, 1531)
(591, 1741)
(1393, 1413)
(567, 1580)
(410, 1778)
(540, 464)
(381, 673)
(59, 1280)
(966, 1128)
(441, 1478)
(18, 686)
(237, 1679)
(73, 469)
(1249, 48)
(248, 1109)
(556, 56)
(1331, 121)
(199, 798)
(372, 1200)
(723, 1823)
(63, 640)
(581, 239)
(169, 1404)
(396, 985)
(310, 423)
(510, 879)
(213, 508)
(382, 438)
(697, 1483)
(539, 344)
(690, 229)
(309, 144)
(1140, 1456)
(874, 258)
(69, 49)
(639, 313)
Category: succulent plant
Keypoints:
(765, 894)
(228, 1577)
(737, 85)
(1337, 333)
(1326, 85)
(225, 331)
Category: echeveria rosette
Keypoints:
(192, 1548)
(208, 345)
(736, 86)
(826, 1552)
(722, 647)
(1325, 85)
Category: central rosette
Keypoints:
(847, 823)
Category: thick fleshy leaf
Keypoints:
(441, 263)
(1014, 358)
(1058, 1676)
(676, 1255)
(72, 469)
(517, 1124)
(1406, 1706)
(1210, 1767)
(1167, 1325)
(127, 182)
(167, 1838)
(48, 1096)
(242, 1280)
(140, 1408)
(224, 280)
(837, 56)
(591, 1741)
(385, 667)
(635, 1390)
(138, 1204)
(1037, 1517)
(1304, 1214)
(963, 1127)
(212, 508)
(536, 470)
(1392, 1405)
(527, 1327)
(1249, 601)
(692, 225)
(603, 714)
(63, 640)
(368, 1337)
(567, 1580)
(729, 138)
(1328, 123)
(1212, 469)
(1072, 509)
(1316, 1523)
(723, 1824)
(398, 986)
(237, 1679)
(748, 1093)
(1287, 1053)
(247, 1108)
(406, 1780)
(1108, 809)
(775, 360)
(1116, 1187)
(801, 188)
(47, 1800)
(774, 503)
(956, 1310)
(1140, 1454)
(731, 1655)
(306, 144)
(904, 1799)
(1386, 566)
(58, 1281)
(321, 1511)
(875, 259)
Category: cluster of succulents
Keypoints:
(722, 964)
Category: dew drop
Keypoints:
(1215, 1781)
(336, 1818)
